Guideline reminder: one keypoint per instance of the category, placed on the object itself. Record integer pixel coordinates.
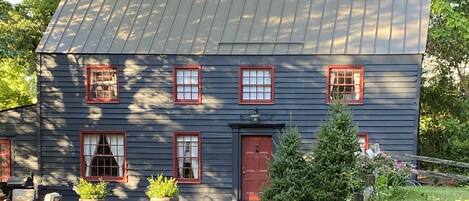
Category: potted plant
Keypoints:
(88, 191)
(162, 189)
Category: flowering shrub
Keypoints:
(389, 174)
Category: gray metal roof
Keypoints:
(238, 27)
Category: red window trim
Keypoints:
(364, 134)
(87, 84)
(187, 101)
(8, 157)
(175, 164)
(362, 77)
(122, 179)
(272, 84)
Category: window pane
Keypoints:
(104, 155)
(180, 79)
(254, 89)
(187, 156)
(267, 80)
(103, 84)
(246, 96)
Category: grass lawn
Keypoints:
(428, 193)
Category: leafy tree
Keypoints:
(335, 158)
(445, 86)
(288, 171)
(449, 39)
(21, 28)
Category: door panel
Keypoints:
(256, 152)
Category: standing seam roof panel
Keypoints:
(90, 42)
(203, 32)
(74, 25)
(238, 27)
(141, 20)
(191, 27)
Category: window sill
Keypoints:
(256, 103)
(102, 102)
(360, 102)
(187, 103)
(191, 182)
(107, 179)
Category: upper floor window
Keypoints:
(187, 87)
(103, 155)
(102, 84)
(187, 167)
(5, 160)
(345, 82)
(256, 85)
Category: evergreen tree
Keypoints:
(335, 159)
(288, 171)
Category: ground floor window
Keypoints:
(103, 155)
(187, 157)
(363, 141)
(5, 160)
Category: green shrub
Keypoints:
(288, 171)
(88, 190)
(335, 158)
(162, 187)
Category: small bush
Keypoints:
(88, 190)
(288, 171)
(335, 158)
(162, 187)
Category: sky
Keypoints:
(14, 1)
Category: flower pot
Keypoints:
(357, 197)
(164, 199)
(81, 199)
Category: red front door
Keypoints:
(257, 151)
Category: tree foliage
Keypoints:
(444, 122)
(335, 158)
(288, 171)
(21, 28)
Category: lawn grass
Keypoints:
(430, 193)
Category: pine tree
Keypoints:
(335, 160)
(287, 171)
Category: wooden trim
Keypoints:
(272, 84)
(199, 155)
(187, 101)
(88, 98)
(122, 179)
(7, 142)
(362, 77)
(365, 135)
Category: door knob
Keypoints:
(244, 172)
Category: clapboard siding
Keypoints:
(20, 127)
(147, 113)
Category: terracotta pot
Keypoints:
(81, 199)
(358, 197)
(164, 199)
